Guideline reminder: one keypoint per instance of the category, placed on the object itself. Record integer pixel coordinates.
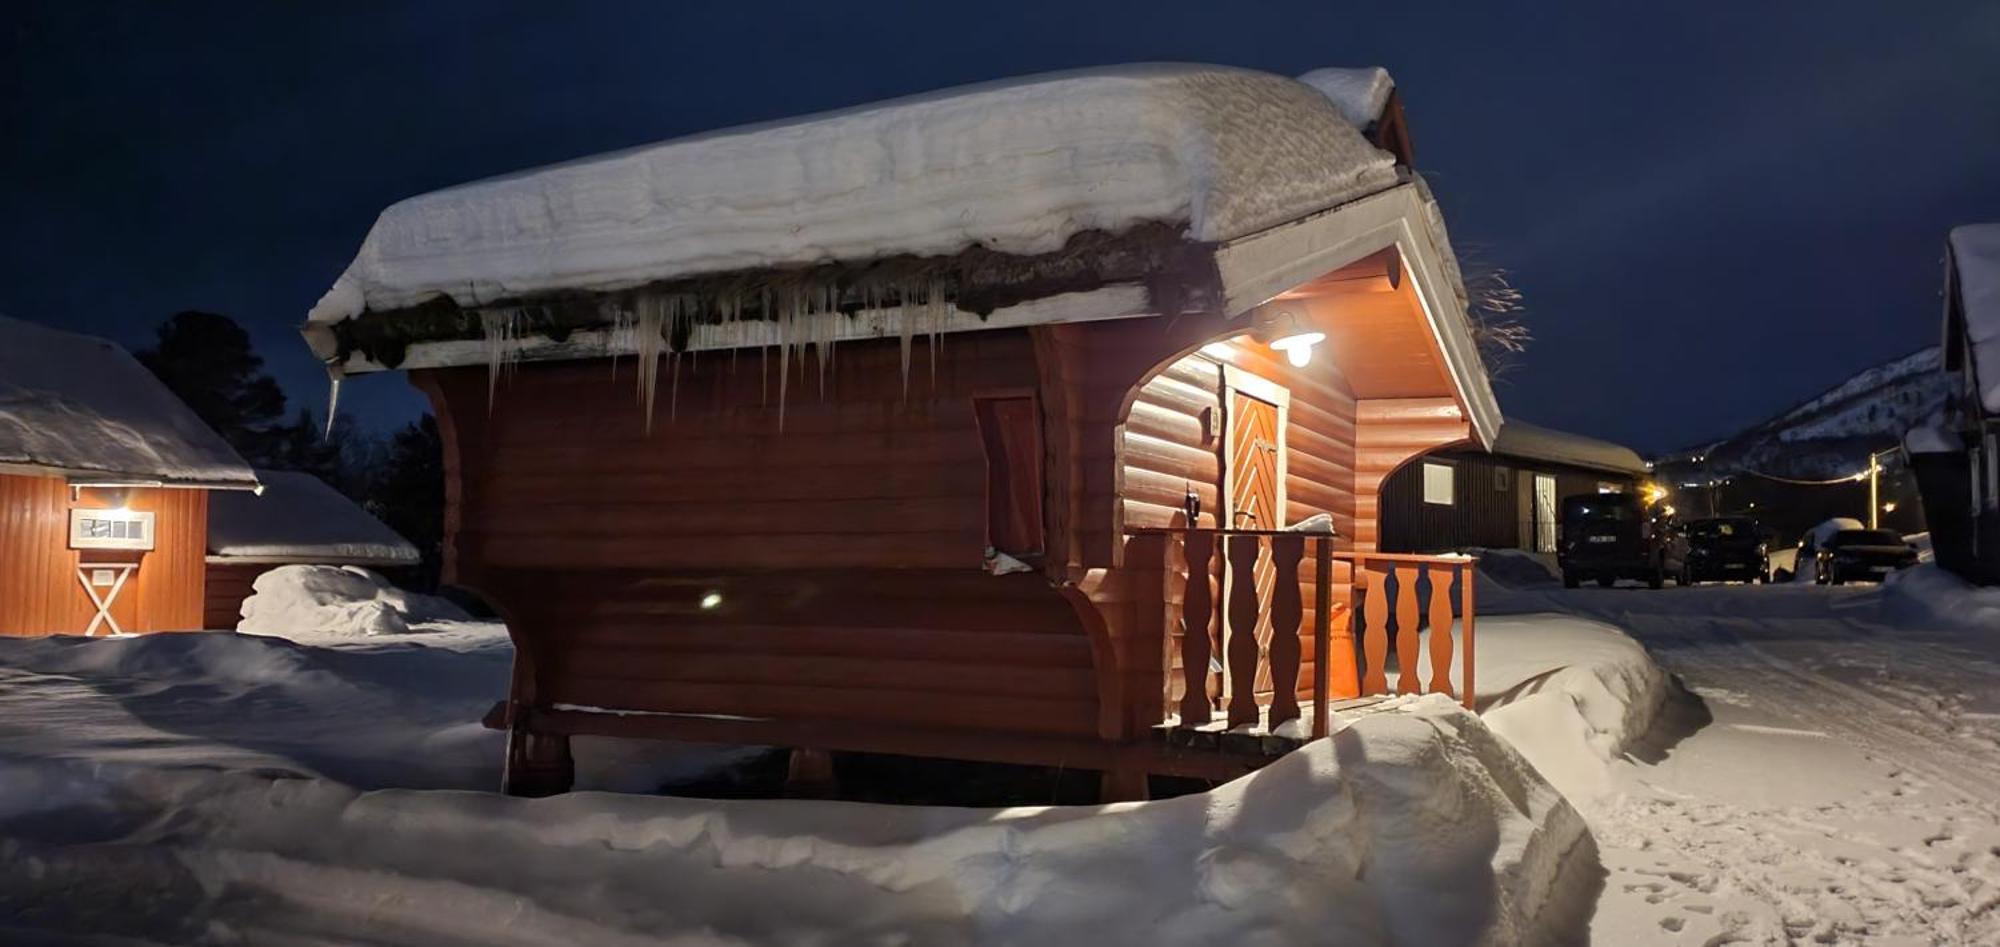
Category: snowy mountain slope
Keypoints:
(1831, 433)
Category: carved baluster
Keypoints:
(1197, 610)
(1322, 632)
(1407, 643)
(1441, 578)
(1287, 610)
(1467, 613)
(1240, 629)
(1375, 629)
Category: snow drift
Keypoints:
(1927, 594)
(1571, 694)
(337, 601)
(1412, 826)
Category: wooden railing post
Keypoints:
(1375, 628)
(1322, 632)
(1197, 608)
(1441, 575)
(1407, 641)
(1239, 646)
(1466, 584)
(1287, 550)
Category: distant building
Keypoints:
(105, 479)
(1462, 497)
(298, 520)
(1958, 464)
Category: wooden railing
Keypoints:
(1402, 606)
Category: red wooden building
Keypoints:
(104, 484)
(935, 402)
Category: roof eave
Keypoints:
(1258, 267)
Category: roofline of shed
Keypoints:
(108, 479)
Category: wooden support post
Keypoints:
(1124, 782)
(538, 764)
(810, 775)
(1197, 608)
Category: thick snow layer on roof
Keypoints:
(302, 519)
(1519, 439)
(1360, 94)
(1018, 166)
(81, 406)
(1975, 252)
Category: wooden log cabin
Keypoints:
(898, 429)
(105, 479)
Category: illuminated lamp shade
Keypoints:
(1283, 332)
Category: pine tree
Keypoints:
(407, 492)
(208, 362)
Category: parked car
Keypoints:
(1607, 537)
(1718, 549)
(1856, 554)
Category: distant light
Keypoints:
(1889, 507)
(711, 601)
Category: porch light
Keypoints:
(1283, 331)
(711, 601)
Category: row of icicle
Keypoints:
(649, 322)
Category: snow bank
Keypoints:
(1925, 594)
(1410, 826)
(367, 712)
(1975, 257)
(1518, 568)
(1018, 166)
(337, 601)
(1572, 695)
(299, 517)
(80, 405)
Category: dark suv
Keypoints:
(1723, 548)
(1607, 537)
(1861, 554)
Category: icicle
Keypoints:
(334, 374)
(621, 335)
(500, 327)
(647, 345)
(906, 326)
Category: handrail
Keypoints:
(1257, 637)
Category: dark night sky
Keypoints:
(1711, 215)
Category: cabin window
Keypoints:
(1503, 479)
(1010, 428)
(1438, 484)
(1606, 486)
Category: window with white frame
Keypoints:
(1438, 484)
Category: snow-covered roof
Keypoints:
(301, 519)
(1519, 439)
(1018, 166)
(79, 406)
(1975, 256)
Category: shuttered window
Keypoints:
(1438, 484)
(1010, 427)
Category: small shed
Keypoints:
(1040, 421)
(1506, 498)
(1958, 464)
(105, 480)
(297, 520)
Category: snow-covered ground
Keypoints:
(233, 788)
(1834, 777)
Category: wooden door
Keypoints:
(1545, 513)
(1253, 471)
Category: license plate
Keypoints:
(1604, 539)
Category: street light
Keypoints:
(1875, 506)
